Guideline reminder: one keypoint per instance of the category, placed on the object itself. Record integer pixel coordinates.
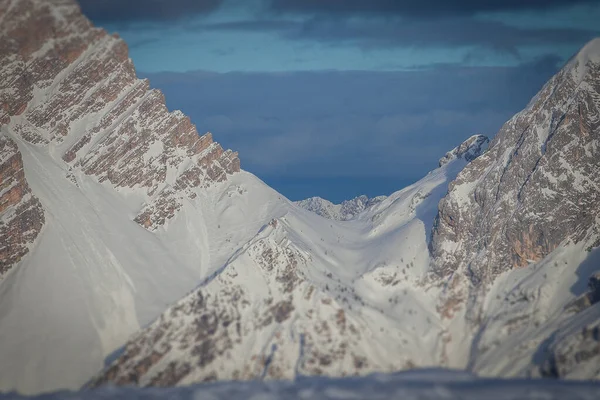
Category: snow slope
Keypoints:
(543, 320)
(95, 276)
(307, 296)
(136, 207)
(110, 276)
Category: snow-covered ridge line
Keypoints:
(94, 112)
(310, 295)
(379, 268)
(344, 211)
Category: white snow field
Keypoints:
(109, 276)
(94, 276)
(414, 385)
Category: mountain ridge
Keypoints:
(462, 304)
(344, 211)
(105, 158)
(307, 296)
(144, 234)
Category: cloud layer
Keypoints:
(457, 68)
(143, 10)
(323, 126)
(418, 8)
(275, 35)
(389, 33)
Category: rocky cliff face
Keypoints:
(535, 188)
(21, 214)
(71, 86)
(513, 242)
(100, 158)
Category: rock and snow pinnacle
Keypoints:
(586, 59)
(470, 149)
(344, 211)
(88, 153)
(21, 214)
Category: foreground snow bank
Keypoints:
(421, 385)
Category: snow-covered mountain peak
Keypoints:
(89, 157)
(470, 149)
(307, 296)
(73, 88)
(586, 58)
(344, 211)
(514, 239)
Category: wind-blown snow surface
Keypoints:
(415, 385)
(95, 276)
(306, 296)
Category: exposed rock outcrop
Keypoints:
(263, 316)
(74, 86)
(21, 214)
(468, 150)
(536, 187)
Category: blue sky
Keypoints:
(342, 97)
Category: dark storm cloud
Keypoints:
(417, 8)
(133, 44)
(451, 32)
(374, 33)
(145, 10)
(258, 25)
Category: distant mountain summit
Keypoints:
(344, 211)
(470, 149)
